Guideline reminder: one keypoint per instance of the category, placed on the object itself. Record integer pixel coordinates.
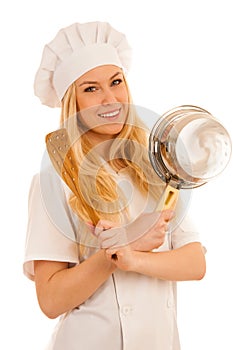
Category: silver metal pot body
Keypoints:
(188, 147)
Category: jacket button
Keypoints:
(126, 310)
(170, 303)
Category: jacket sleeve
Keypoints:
(51, 229)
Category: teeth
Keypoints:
(109, 115)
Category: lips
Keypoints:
(110, 114)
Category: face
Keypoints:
(102, 98)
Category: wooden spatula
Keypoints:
(62, 156)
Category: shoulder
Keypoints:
(49, 199)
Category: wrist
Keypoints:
(109, 263)
(135, 261)
(139, 261)
(134, 245)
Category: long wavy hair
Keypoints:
(99, 195)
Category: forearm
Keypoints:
(69, 287)
(185, 263)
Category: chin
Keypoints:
(110, 130)
(116, 130)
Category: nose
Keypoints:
(108, 96)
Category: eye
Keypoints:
(117, 82)
(90, 89)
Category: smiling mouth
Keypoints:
(111, 114)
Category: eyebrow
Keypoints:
(96, 82)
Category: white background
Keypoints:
(182, 55)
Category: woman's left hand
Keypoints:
(122, 257)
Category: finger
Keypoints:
(112, 254)
(91, 227)
(110, 257)
(168, 214)
(103, 225)
(97, 231)
(112, 238)
(106, 224)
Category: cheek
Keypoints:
(87, 116)
(86, 101)
(123, 95)
(83, 103)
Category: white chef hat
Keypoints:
(74, 51)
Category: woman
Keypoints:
(101, 257)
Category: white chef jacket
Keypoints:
(130, 311)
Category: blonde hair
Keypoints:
(99, 195)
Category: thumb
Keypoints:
(101, 226)
(168, 214)
(111, 254)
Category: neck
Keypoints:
(100, 143)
